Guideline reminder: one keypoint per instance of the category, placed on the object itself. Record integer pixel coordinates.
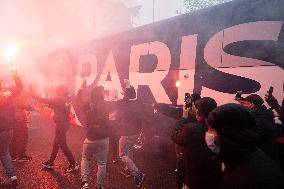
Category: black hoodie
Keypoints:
(265, 126)
(202, 168)
(130, 117)
(98, 121)
(61, 106)
(246, 166)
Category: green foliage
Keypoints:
(192, 5)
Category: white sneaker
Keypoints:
(13, 178)
(72, 168)
(85, 185)
(13, 182)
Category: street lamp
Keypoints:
(153, 11)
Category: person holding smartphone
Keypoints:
(202, 168)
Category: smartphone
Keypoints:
(270, 91)
(187, 100)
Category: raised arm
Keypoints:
(51, 102)
(18, 84)
(9, 95)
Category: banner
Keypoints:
(217, 51)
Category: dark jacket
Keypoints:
(61, 106)
(267, 130)
(7, 111)
(255, 171)
(202, 169)
(174, 112)
(21, 105)
(246, 166)
(83, 98)
(97, 122)
(129, 93)
(169, 110)
(130, 117)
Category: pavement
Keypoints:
(153, 160)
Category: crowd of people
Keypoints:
(100, 119)
(232, 146)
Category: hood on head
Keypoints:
(236, 128)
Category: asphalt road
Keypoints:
(158, 168)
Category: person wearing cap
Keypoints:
(202, 168)
(61, 104)
(274, 105)
(265, 125)
(232, 134)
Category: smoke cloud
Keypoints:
(40, 27)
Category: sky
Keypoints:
(54, 24)
(74, 21)
(39, 27)
(42, 26)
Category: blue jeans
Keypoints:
(99, 148)
(126, 149)
(5, 140)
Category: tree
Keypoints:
(113, 17)
(192, 5)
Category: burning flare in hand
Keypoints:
(10, 51)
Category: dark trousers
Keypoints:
(180, 172)
(114, 138)
(180, 169)
(281, 155)
(19, 142)
(59, 142)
